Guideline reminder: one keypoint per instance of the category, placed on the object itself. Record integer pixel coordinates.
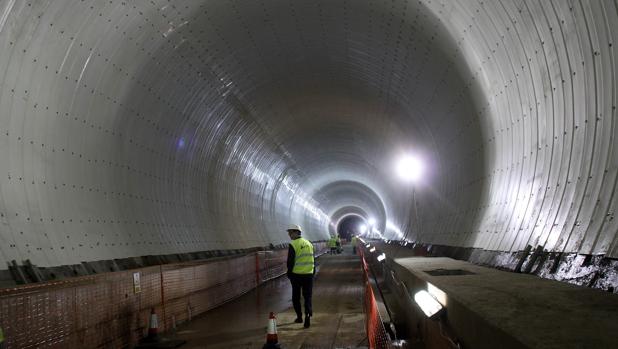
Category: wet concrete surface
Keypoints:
(338, 320)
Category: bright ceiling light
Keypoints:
(371, 222)
(373, 249)
(362, 228)
(429, 305)
(410, 168)
(381, 257)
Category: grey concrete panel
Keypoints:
(145, 128)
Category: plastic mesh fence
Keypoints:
(376, 333)
(107, 311)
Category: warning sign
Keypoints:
(137, 288)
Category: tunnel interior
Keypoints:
(352, 225)
(169, 127)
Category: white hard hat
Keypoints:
(294, 227)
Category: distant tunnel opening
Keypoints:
(351, 225)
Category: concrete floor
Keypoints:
(338, 320)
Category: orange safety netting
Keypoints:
(376, 333)
(111, 310)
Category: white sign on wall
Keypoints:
(137, 288)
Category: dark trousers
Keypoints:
(304, 283)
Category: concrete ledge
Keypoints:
(495, 309)
(596, 271)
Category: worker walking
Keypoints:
(338, 244)
(354, 242)
(301, 269)
(332, 244)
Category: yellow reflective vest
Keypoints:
(354, 240)
(332, 242)
(303, 256)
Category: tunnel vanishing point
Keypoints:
(135, 133)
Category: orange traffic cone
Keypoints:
(272, 342)
(153, 340)
(153, 326)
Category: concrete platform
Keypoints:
(489, 308)
(338, 320)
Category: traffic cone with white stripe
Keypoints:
(272, 342)
(153, 327)
(154, 339)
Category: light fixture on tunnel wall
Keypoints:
(180, 143)
(373, 249)
(428, 304)
(368, 245)
(410, 168)
(437, 294)
(381, 257)
(371, 222)
(362, 229)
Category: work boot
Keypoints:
(299, 319)
(307, 321)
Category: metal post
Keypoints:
(162, 295)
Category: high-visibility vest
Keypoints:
(354, 240)
(332, 242)
(303, 262)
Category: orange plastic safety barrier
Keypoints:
(376, 333)
(112, 310)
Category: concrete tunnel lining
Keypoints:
(131, 129)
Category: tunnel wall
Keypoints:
(547, 71)
(102, 159)
(131, 129)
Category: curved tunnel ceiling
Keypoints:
(140, 128)
(342, 198)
